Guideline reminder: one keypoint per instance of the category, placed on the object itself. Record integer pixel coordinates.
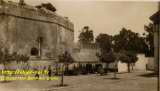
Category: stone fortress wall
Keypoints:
(21, 25)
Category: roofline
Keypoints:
(156, 17)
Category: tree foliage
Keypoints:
(128, 40)
(129, 44)
(129, 58)
(104, 41)
(149, 39)
(86, 36)
(109, 57)
(6, 57)
(66, 58)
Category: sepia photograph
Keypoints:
(79, 45)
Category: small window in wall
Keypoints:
(34, 51)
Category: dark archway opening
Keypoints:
(34, 51)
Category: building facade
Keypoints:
(156, 20)
(33, 31)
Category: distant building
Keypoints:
(86, 59)
(36, 32)
(86, 54)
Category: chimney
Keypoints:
(21, 2)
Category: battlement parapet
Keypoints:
(32, 13)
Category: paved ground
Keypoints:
(127, 82)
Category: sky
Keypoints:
(104, 16)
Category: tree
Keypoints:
(5, 57)
(24, 58)
(104, 42)
(19, 58)
(48, 6)
(66, 59)
(129, 44)
(129, 58)
(107, 58)
(149, 39)
(130, 41)
(86, 36)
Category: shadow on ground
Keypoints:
(113, 78)
(53, 87)
(123, 72)
(5, 81)
(149, 75)
(65, 85)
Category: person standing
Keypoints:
(49, 72)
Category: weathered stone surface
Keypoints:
(20, 26)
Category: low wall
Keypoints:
(150, 65)
(142, 62)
